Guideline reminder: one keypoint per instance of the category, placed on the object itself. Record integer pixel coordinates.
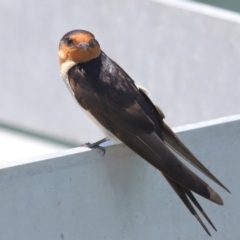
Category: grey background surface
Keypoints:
(79, 194)
(188, 61)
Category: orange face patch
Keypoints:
(75, 54)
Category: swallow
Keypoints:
(125, 113)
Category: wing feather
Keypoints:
(177, 145)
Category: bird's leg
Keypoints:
(96, 145)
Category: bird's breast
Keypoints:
(79, 96)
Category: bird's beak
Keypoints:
(83, 46)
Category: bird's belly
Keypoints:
(107, 133)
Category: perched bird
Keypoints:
(125, 113)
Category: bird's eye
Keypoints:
(69, 41)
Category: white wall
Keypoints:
(80, 194)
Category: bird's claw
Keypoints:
(93, 145)
(96, 145)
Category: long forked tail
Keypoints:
(186, 196)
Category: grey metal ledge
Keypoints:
(80, 194)
(202, 8)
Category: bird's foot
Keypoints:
(96, 145)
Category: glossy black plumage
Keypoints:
(105, 90)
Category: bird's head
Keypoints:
(77, 46)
